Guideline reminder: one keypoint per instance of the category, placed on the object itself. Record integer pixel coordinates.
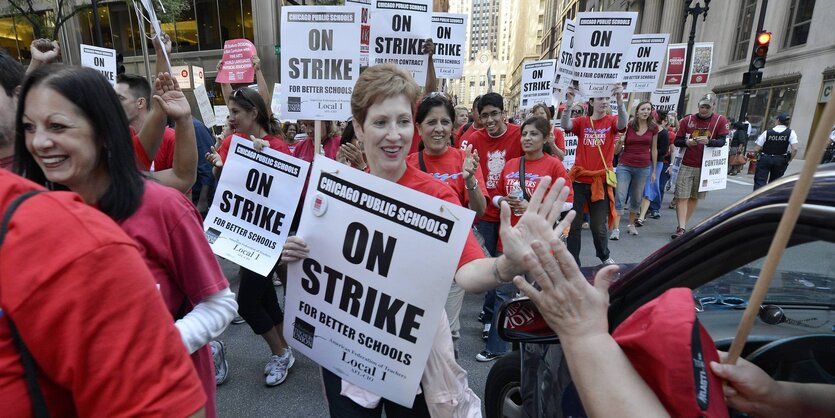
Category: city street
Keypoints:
(245, 395)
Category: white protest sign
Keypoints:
(398, 31)
(205, 106)
(665, 99)
(256, 198)
(536, 83)
(677, 158)
(365, 28)
(644, 62)
(198, 76)
(318, 74)
(221, 113)
(564, 72)
(702, 62)
(450, 35)
(275, 103)
(181, 74)
(570, 150)
(601, 41)
(714, 175)
(366, 306)
(102, 60)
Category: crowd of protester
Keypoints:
(110, 177)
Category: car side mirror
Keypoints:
(520, 321)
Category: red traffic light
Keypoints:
(761, 43)
(763, 38)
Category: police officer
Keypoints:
(777, 146)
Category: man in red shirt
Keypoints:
(596, 136)
(695, 132)
(102, 346)
(462, 137)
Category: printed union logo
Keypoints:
(294, 104)
(319, 204)
(212, 235)
(303, 332)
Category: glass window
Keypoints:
(231, 25)
(757, 108)
(743, 29)
(88, 27)
(184, 37)
(122, 24)
(782, 100)
(25, 36)
(8, 36)
(247, 16)
(800, 20)
(208, 24)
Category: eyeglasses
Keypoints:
(494, 115)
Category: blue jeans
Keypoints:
(631, 181)
(663, 178)
(495, 344)
(490, 232)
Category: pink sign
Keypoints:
(237, 62)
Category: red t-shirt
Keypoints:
(275, 143)
(447, 167)
(415, 140)
(464, 138)
(90, 314)
(170, 235)
(415, 179)
(559, 139)
(637, 149)
(165, 156)
(492, 155)
(534, 171)
(604, 133)
(306, 148)
(695, 126)
(142, 158)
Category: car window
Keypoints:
(805, 276)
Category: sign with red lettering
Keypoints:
(237, 62)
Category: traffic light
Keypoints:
(760, 50)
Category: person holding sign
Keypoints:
(72, 134)
(382, 117)
(696, 131)
(638, 160)
(263, 90)
(556, 139)
(256, 294)
(596, 136)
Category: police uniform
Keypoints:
(775, 155)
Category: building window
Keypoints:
(800, 20)
(743, 30)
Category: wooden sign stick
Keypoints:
(317, 127)
(784, 231)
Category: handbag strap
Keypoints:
(522, 179)
(39, 407)
(598, 146)
(421, 162)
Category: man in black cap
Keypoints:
(777, 146)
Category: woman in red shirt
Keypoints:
(638, 158)
(556, 136)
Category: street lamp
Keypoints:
(695, 11)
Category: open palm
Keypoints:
(170, 98)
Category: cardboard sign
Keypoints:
(676, 57)
(221, 113)
(714, 175)
(675, 165)
(644, 62)
(198, 76)
(102, 60)
(450, 35)
(564, 71)
(275, 103)
(237, 62)
(601, 41)
(253, 208)
(536, 83)
(570, 150)
(702, 61)
(319, 73)
(182, 76)
(205, 106)
(665, 99)
(398, 31)
(366, 305)
(365, 28)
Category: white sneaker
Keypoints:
(615, 235)
(632, 230)
(281, 366)
(609, 261)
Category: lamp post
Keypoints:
(695, 11)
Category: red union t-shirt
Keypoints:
(493, 153)
(559, 139)
(695, 126)
(90, 314)
(447, 168)
(463, 138)
(165, 156)
(415, 179)
(637, 150)
(275, 143)
(604, 133)
(142, 159)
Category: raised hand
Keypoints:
(258, 143)
(170, 98)
(256, 63)
(213, 157)
(45, 51)
(470, 162)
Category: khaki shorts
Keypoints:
(687, 183)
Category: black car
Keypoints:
(719, 259)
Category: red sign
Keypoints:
(676, 56)
(237, 62)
